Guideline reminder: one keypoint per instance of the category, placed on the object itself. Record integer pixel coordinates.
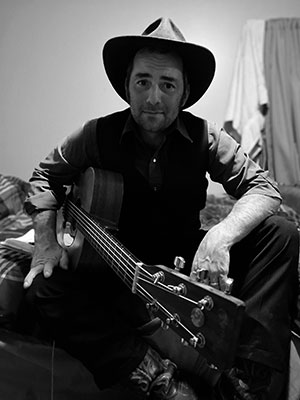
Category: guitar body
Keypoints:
(205, 318)
(100, 193)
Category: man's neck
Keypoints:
(152, 139)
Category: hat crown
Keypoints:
(164, 28)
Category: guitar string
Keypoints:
(94, 227)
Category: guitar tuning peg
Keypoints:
(179, 263)
(152, 306)
(228, 283)
(179, 289)
(193, 341)
(165, 325)
(184, 342)
(206, 303)
(158, 277)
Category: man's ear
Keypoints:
(185, 95)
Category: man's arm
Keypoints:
(257, 194)
(213, 251)
(48, 188)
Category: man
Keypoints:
(163, 154)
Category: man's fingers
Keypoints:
(226, 284)
(206, 271)
(31, 275)
(48, 268)
(64, 260)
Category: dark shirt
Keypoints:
(228, 164)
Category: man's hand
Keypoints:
(45, 258)
(213, 251)
(47, 252)
(212, 255)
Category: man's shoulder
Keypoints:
(196, 126)
(211, 127)
(97, 124)
(189, 116)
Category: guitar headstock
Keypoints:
(205, 318)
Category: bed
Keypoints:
(31, 368)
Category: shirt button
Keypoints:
(154, 160)
(155, 188)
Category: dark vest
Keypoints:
(155, 224)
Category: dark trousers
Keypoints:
(265, 270)
(94, 316)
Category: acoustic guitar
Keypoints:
(203, 317)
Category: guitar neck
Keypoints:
(123, 263)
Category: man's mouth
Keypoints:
(153, 112)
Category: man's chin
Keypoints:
(154, 128)
(153, 122)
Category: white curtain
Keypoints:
(282, 71)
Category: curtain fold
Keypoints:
(282, 73)
(244, 118)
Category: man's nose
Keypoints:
(154, 96)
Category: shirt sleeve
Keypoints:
(230, 166)
(60, 169)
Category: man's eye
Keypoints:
(169, 86)
(142, 83)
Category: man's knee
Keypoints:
(33, 289)
(43, 290)
(283, 230)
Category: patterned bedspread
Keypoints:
(13, 221)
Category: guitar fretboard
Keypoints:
(107, 246)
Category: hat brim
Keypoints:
(199, 62)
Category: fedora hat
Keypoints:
(199, 62)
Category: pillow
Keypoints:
(12, 195)
(14, 266)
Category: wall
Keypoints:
(51, 74)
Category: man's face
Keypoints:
(156, 90)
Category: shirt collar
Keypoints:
(130, 127)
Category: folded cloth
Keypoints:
(248, 90)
